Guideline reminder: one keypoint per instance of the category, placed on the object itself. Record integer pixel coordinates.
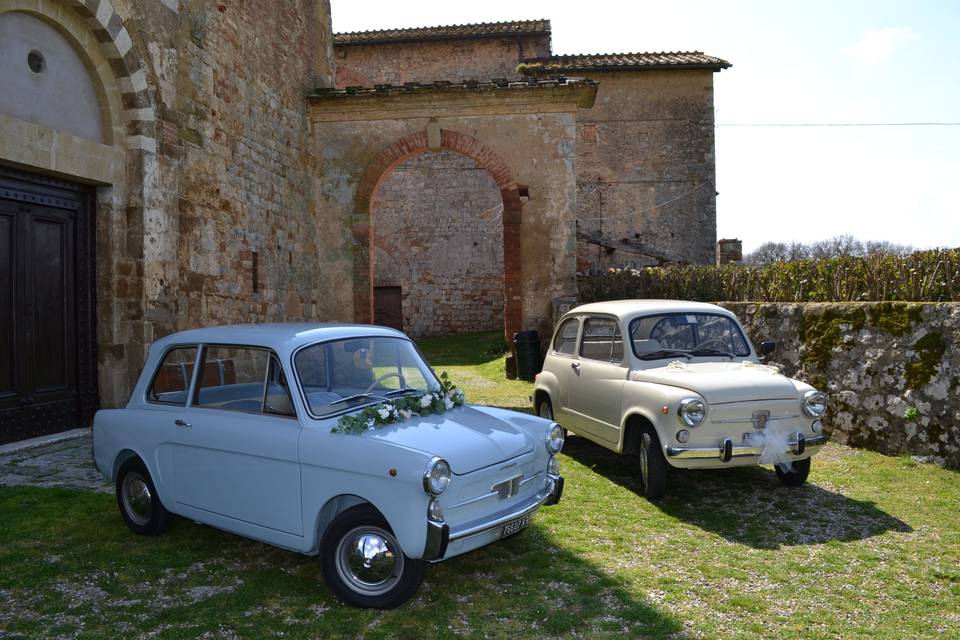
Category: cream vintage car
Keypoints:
(679, 385)
(329, 440)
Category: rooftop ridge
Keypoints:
(466, 30)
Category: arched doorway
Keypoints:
(453, 145)
(437, 234)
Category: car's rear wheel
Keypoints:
(139, 503)
(793, 474)
(653, 466)
(545, 409)
(364, 564)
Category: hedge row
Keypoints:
(924, 276)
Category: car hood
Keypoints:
(469, 438)
(720, 382)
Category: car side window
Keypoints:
(601, 340)
(233, 378)
(565, 341)
(172, 379)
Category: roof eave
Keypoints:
(437, 38)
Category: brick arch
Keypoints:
(487, 159)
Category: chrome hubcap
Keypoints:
(546, 411)
(137, 499)
(369, 560)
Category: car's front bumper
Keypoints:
(444, 542)
(798, 445)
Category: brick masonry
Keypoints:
(441, 241)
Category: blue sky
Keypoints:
(793, 62)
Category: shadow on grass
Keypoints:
(69, 551)
(464, 350)
(747, 505)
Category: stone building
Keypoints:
(177, 163)
(644, 159)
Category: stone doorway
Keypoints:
(437, 231)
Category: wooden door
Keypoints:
(47, 368)
(388, 307)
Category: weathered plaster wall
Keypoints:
(441, 241)
(455, 60)
(891, 370)
(647, 140)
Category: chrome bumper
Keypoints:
(439, 534)
(727, 451)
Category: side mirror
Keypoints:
(767, 347)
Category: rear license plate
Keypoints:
(512, 527)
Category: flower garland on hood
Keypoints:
(402, 409)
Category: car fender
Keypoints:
(647, 399)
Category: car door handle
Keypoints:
(182, 423)
(575, 366)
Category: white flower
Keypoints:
(448, 403)
(426, 400)
(383, 412)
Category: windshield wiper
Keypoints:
(357, 396)
(665, 353)
(713, 352)
(401, 391)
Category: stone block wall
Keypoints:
(441, 241)
(646, 171)
(431, 60)
(891, 370)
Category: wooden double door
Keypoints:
(47, 334)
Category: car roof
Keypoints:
(631, 308)
(283, 337)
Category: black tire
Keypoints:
(653, 466)
(138, 501)
(795, 474)
(404, 574)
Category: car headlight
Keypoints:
(436, 476)
(692, 412)
(814, 403)
(555, 439)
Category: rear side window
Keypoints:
(601, 340)
(566, 339)
(172, 379)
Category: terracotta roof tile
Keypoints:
(408, 88)
(625, 61)
(447, 32)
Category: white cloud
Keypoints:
(876, 46)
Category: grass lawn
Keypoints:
(870, 548)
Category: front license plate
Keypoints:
(512, 527)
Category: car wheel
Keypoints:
(139, 503)
(545, 409)
(793, 474)
(653, 466)
(364, 564)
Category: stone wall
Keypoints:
(891, 370)
(441, 241)
(648, 140)
(202, 180)
(431, 60)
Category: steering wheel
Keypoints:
(722, 346)
(389, 374)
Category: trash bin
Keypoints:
(526, 344)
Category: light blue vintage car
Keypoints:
(245, 428)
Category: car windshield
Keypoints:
(344, 374)
(671, 335)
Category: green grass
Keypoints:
(870, 548)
